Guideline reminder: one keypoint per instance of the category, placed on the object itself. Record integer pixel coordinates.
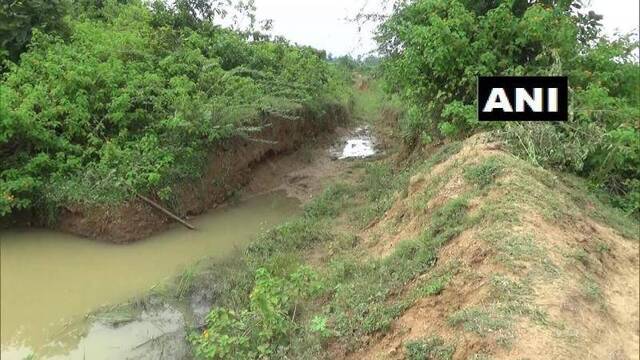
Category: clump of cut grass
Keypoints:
(431, 348)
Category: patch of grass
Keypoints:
(289, 238)
(581, 256)
(435, 286)
(448, 221)
(481, 321)
(442, 154)
(597, 204)
(330, 202)
(483, 174)
(514, 250)
(185, 282)
(368, 103)
(505, 289)
(603, 248)
(592, 291)
(365, 294)
(433, 348)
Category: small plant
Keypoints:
(603, 248)
(185, 282)
(581, 256)
(329, 203)
(480, 321)
(592, 290)
(433, 348)
(483, 174)
(264, 328)
(319, 326)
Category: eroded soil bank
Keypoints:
(229, 168)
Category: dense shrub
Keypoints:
(437, 48)
(131, 102)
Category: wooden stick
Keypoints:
(167, 212)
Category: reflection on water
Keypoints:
(50, 280)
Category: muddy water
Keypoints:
(50, 280)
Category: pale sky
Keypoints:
(322, 24)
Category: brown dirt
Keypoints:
(302, 174)
(230, 166)
(577, 326)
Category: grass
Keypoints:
(368, 104)
(481, 320)
(330, 202)
(365, 296)
(593, 291)
(483, 174)
(433, 348)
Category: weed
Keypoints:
(318, 326)
(264, 328)
(481, 321)
(506, 289)
(603, 248)
(485, 321)
(433, 348)
(582, 257)
(185, 282)
(592, 290)
(329, 203)
(483, 174)
(435, 286)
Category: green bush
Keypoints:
(129, 104)
(436, 49)
(265, 328)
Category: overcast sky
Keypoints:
(322, 24)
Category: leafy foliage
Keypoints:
(132, 102)
(264, 329)
(437, 48)
(18, 19)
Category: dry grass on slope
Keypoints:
(534, 267)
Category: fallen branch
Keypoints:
(167, 212)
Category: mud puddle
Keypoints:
(357, 144)
(50, 281)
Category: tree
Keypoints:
(18, 18)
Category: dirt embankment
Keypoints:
(540, 269)
(229, 168)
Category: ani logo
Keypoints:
(523, 98)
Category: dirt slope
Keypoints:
(539, 269)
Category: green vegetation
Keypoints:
(432, 348)
(129, 97)
(435, 49)
(483, 174)
(134, 98)
(264, 329)
(350, 297)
